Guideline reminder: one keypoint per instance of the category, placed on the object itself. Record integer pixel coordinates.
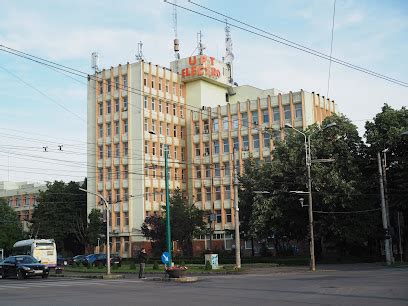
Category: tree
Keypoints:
(187, 221)
(10, 227)
(96, 228)
(61, 215)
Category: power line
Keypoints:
(286, 42)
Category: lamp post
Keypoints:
(308, 159)
(236, 214)
(166, 183)
(108, 265)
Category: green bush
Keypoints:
(115, 266)
(156, 266)
(132, 266)
(208, 266)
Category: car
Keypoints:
(94, 260)
(22, 266)
(76, 259)
(61, 261)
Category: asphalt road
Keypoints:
(366, 286)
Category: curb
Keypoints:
(187, 279)
(89, 276)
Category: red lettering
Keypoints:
(183, 72)
(203, 59)
(192, 60)
(193, 70)
(200, 70)
(212, 60)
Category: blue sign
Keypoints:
(165, 257)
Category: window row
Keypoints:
(116, 196)
(106, 107)
(157, 149)
(215, 170)
(167, 107)
(158, 127)
(233, 122)
(109, 151)
(210, 196)
(120, 219)
(113, 173)
(158, 172)
(118, 85)
(24, 200)
(160, 84)
(107, 128)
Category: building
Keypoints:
(22, 197)
(194, 108)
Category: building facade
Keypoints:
(22, 197)
(135, 110)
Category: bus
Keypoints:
(44, 250)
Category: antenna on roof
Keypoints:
(139, 55)
(176, 40)
(229, 56)
(200, 44)
(95, 61)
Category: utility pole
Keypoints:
(168, 228)
(309, 189)
(384, 214)
(387, 209)
(236, 208)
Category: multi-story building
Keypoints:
(136, 109)
(22, 197)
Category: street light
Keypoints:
(309, 186)
(108, 266)
(166, 178)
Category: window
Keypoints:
(100, 84)
(197, 151)
(174, 88)
(198, 194)
(160, 105)
(146, 147)
(227, 192)
(154, 149)
(161, 150)
(109, 172)
(117, 150)
(236, 143)
(218, 216)
(226, 169)
(117, 244)
(125, 125)
(160, 83)
(228, 216)
(174, 109)
(116, 105)
(145, 79)
(276, 136)
(215, 125)
(216, 147)
(267, 140)
(206, 127)
(125, 174)
(198, 172)
(108, 107)
(153, 126)
(245, 143)
(217, 171)
(108, 84)
(100, 175)
(244, 117)
(207, 149)
(182, 154)
(225, 123)
(145, 101)
(167, 107)
(125, 149)
(196, 128)
(108, 151)
(101, 130)
(125, 103)
(286, 110)
(168, 129)
(117, 196)
(226, 145)
(126, 223)
(154, 171)
(116, 128)
(117, 174)
(100, 152)
(218, 193)
(147, 194)
(234, 121)
(153, 103)
(153, 81)
(255, 119)
(108, 129)
(255, 139)
(175, 152)
(175, 130)
(167, 86)
(298, 110)
(100, 109)
(265, 118)
(208, 194)
(116, 83)
(207, 171)
(125, 84)
(276, 114)
(161, 128)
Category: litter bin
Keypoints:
(213, 259)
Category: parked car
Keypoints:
(61, 261)
(76, 259)
(22, 266)
(94, 260)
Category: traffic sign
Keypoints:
(165, 258)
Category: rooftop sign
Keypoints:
(201, 65)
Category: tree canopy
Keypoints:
(10, 227)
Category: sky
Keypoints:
(43, 108)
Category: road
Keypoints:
(366, 286)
